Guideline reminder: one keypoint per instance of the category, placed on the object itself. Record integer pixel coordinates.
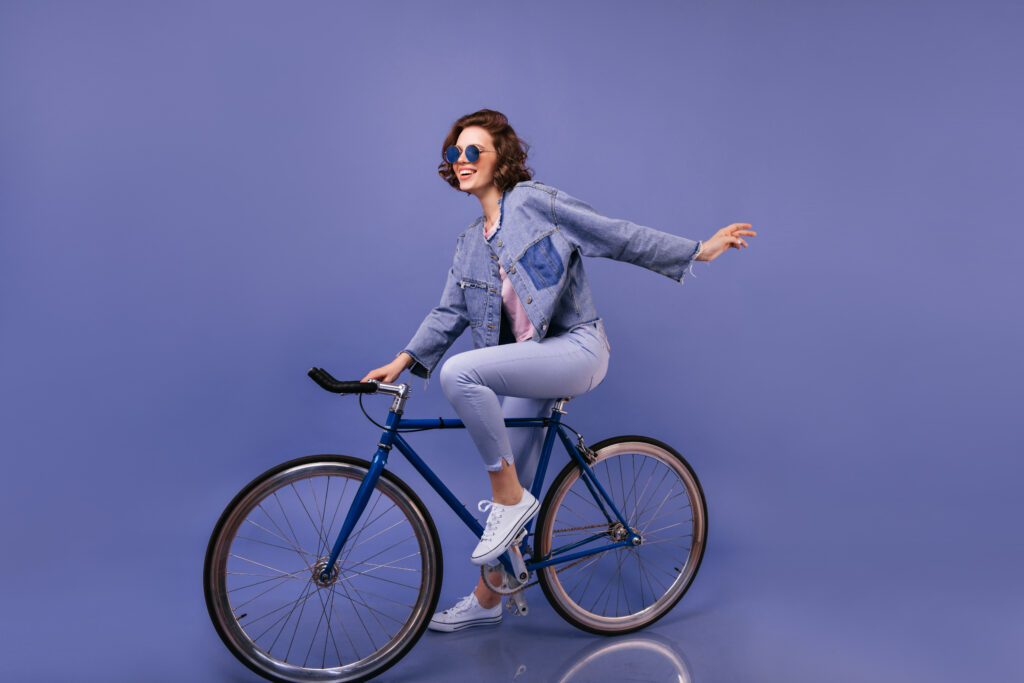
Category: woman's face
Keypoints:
(475, 177)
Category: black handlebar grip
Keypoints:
(328, 383)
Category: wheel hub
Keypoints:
(618, 532)
(318, 570)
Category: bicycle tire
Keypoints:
(647, 580)
(261, 563)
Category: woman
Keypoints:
(518, 282)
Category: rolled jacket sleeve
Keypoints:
(439, 329)
(597, 235)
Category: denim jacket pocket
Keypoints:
(543, 264)
(475, 293)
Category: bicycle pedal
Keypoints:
(516, 604)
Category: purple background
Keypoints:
(198, 201)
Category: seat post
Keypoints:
(559, 406)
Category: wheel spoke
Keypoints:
(272, 545)
(312, 639)
(368, 575)
(282, 536)
(387, 565)
(664, 476)
(352, 540)
(371, 608)
(648, 522)
(367, 540)
(344, 630)
(357, 613)
(665, 540)
(287, 520)
(330, 634)
(280, 581)
(337, 507)
(321, 540)
(260, 564)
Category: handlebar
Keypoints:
(328, 383)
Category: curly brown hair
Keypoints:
(511, 167)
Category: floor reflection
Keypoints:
(544, 651)
(648, 656)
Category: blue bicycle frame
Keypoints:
(392, 438)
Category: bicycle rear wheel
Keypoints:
(627, 588)
(261, 575)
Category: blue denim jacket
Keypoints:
(542, 233)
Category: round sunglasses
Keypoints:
(473, 153)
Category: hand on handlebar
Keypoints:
(390, 372)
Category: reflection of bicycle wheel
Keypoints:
(625, 589)
(647, 657)
(263, 565)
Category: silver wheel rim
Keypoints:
(269, 601)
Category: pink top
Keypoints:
(522, 328)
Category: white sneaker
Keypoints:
(503, 525)
(467, 613)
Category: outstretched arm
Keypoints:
(597, 235)
(665, 253)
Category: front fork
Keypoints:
(380, 459)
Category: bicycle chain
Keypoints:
(578, 528)
(557, 571)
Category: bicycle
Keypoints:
(619, 539)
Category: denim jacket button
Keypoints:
(529, 299)
(499, 243)
(512, 269)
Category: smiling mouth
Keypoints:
(466, 172)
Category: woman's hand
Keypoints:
(390, 372)
(729, 236)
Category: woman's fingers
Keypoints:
(386, 373)
(376, 373)
(735, 233)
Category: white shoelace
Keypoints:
(462, 605)
(493, 518)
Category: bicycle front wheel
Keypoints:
(630, 587)
(262, 572)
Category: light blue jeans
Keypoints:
(530, 375)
